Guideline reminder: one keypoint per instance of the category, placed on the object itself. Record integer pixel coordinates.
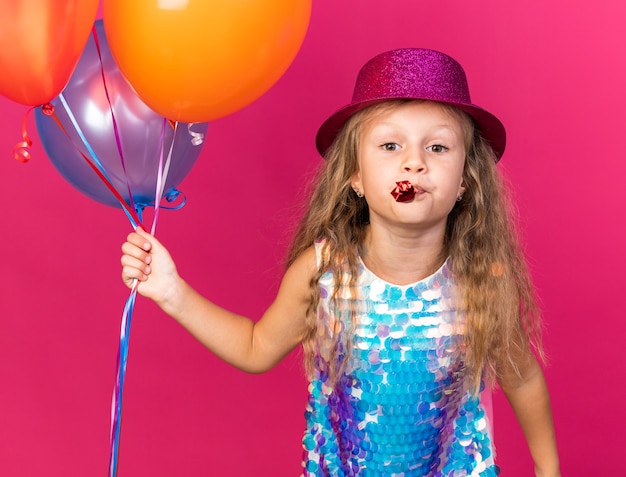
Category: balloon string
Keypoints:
(95, 165)
(197, 138)
(171, 197)
(118, 139)
(20, 151)
(162, 172)
(122, 360)
(81, 135)
(158, 193)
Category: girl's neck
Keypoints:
(402, 258)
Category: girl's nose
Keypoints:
(414, 161)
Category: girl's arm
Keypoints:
(249, 346)
(528, 395)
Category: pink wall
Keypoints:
(553, 71)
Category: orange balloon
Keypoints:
(40, 44)
(198, 60)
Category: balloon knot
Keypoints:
(47, 109)
(172, 195)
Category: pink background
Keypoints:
(554, 72)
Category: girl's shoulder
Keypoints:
(305, 264)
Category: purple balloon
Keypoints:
(140, 130)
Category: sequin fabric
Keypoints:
(402, 406)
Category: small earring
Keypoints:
(358, 193)
(459, 197)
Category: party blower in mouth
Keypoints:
(403, 192)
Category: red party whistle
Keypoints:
(404, 191)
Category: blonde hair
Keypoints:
(481, 242)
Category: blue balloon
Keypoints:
(140, 132)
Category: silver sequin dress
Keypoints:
(403, 405)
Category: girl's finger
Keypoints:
(131, 273)
(129, 262)
(133, 250)
(139, 241)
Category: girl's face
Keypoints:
(419, 142)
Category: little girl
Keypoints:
(405, 286)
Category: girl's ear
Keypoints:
(462, 187)
(355, 182)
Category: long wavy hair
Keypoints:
(496, 290)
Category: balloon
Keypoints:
(139, 129)
(40, 43)
(198, 60)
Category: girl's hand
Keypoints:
(146, 260)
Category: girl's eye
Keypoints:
(390, 146)
(437, 148)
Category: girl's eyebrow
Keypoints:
(436, 128)
(449, 124)
(448, 127)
